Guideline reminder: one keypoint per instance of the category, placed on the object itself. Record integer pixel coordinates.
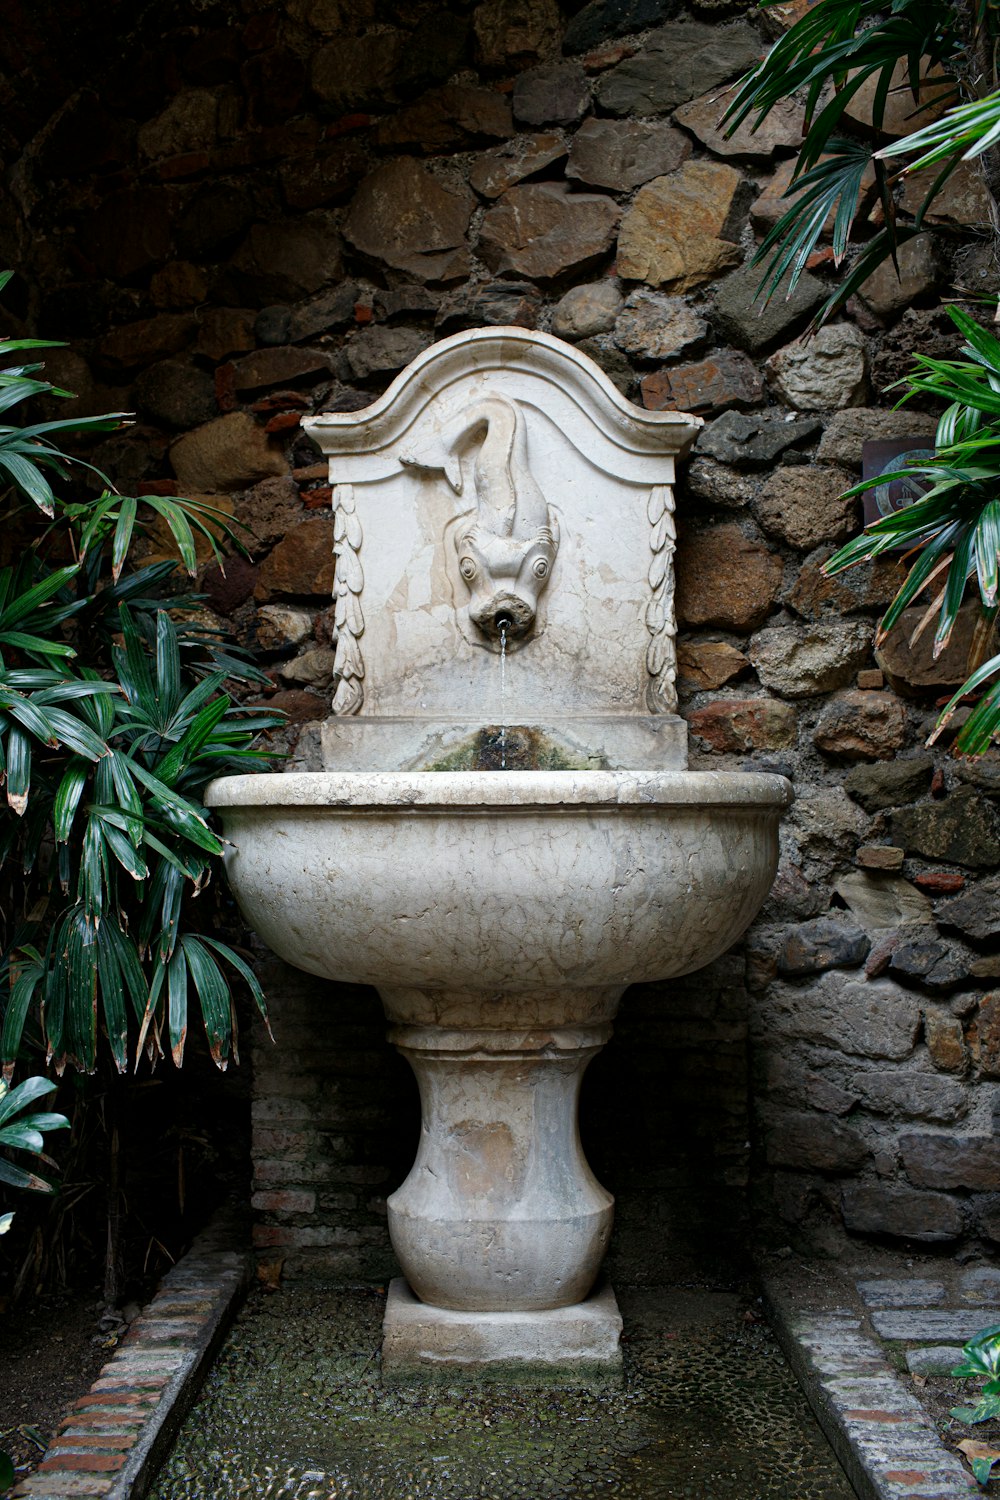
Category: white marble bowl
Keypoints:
(430, 885)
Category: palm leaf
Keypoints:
(213, 993)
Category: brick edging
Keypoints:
(882, 1436)
(112, 1441)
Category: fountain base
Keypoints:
(576, 1345)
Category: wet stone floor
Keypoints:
(295, 1407)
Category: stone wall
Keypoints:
(242, 213)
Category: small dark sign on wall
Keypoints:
(885, 456)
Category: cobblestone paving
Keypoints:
(295, 1409)
(930, 1320)
(871, 1350)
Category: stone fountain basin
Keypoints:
(518, 888)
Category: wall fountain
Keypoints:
(502, 506)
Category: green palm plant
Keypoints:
(847, 171)
(113, 717)
(954, 528)
(25, 1134)
(843, 52)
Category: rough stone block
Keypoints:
(876, 1019)
(888, 293)
(602, 20)
(379, 351)
(908, 1291)
(709, 664)
(981, 1284)
(911, 1095)
(860, 725)
(803, 661)
(912, 668)
(278, 366)
(952, 1161)
(682, 229)
(757, 326)
(813, 594)
(976, 912)
(815, 1143)
(883, 900)
(805, 506)
(880, 1208)
(403, 217)
(984, 1036)
(505, 166)
(175, 394)
(288, 259)
(723, 382)
(963, 829)
(753, 442)
(679, 62)
(823, 373)
(846, 431)
(931, 961)
(945, 1041)
(719, 484)
(725, 579)
(511, 303)
(933, 1323)
(452, 118)
(880, 857)
(825, 823)
(623, 154)
(553, 94)
(737, 725)
(890, 784)
(753, 141)
(653, 326)
(824, 943)
(543, 231)
(938, 1359)
(302, 563)
(515, 31)
(227, 454)
(587, 310)
(150, 339)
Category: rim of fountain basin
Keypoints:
(470, 789)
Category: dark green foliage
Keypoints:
(25, 1135)
(981, 1359)
(845, 168)
(954, 528)
(113, 717)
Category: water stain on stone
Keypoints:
(516, 748)
(483, 1159)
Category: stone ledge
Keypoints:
(112, 1440)
(884, 1440)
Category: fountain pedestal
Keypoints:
(502, 486)
(501, 1212)
(501, 1226)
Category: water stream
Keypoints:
(503, 694)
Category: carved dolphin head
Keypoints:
(505, 576)
(507, 548)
